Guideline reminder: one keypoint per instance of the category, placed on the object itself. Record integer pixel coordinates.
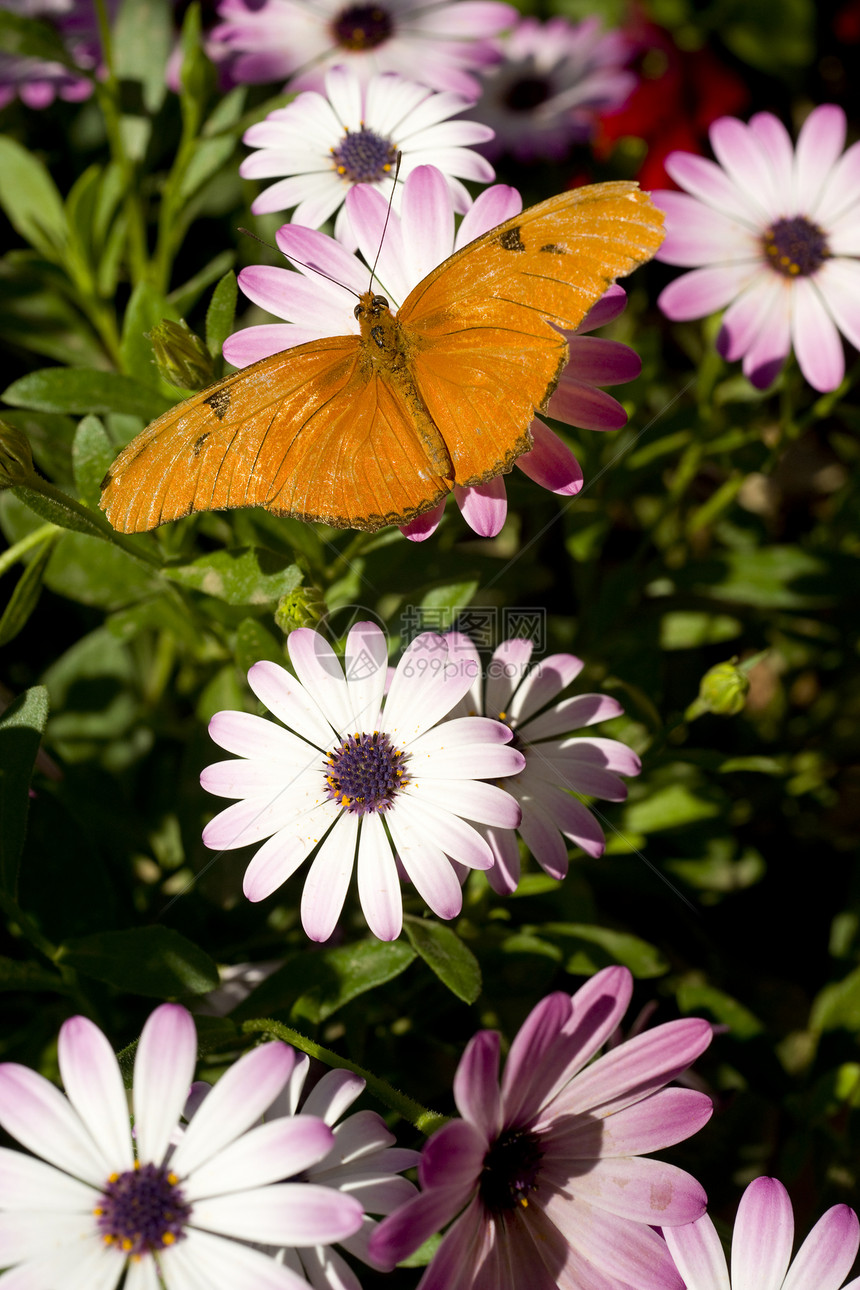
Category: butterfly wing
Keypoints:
(484, 355)
(315, 432)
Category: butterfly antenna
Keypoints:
(314, 268)
(387, 218)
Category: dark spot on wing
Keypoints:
(219, 402)
(554, 249)
(510, 240)
(201, 439)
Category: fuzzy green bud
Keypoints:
(723, 689)
(16, 459)
(181, 357)
(302, 607)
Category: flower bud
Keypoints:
(16, 459)
(724, 689)
(302, 607)
(180, 355)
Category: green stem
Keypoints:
(350, 552)
(94, 524)
(107, 92)
(425, 1121)
(14, 553)
(28, 928)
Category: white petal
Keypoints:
(95, 1089)
(265, 1154)
(163, 1070)
(27, 1183)
(378, 883)
(366, 667)
(328, 878)
(283, 1214)
(37, 1115)
(290, 702)
(239, 1098)
(427, 866)
(333, 1094)
(206, 1262)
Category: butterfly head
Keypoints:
(371, 306)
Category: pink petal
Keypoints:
(366, 667)
(839, 283)
(493, 206)
(505, 873)
(543, 840)
(445, 831)
(281, 1214)
(827, 1255)
(698, 1254)
(453, 1158)
(609, 307)
(573, 818)
(633, 1188)
(763, 1237)
(711, 185)
(483, 803)
(602, 362)
(550, 463)
(703, 291)
(819, 146)
(290, 702)
(815, 338)
(698, 234)
(484, 507)
(537, 1057)
(746, 316)
(426, 865)
(579, 404)
(740, 153)
(571, 714)
(545, 680)
(635, 1068)
(280, 857)
(629, 1253)
(476, 1084)
(319, 671)
(507, 668)
(402, 1232)
(769, 348)
(424, 526)
(659, 1121)
(265, 1154)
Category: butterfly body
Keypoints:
(362, 431)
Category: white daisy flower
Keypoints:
(320, 146)
(94, 1202)
(354, 782)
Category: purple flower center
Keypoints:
(142, 1210)
(362, 26)
(527, 93)
(364, 157)
(366, 773)
(510, 1172)
(795, 247)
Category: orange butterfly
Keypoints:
(366, 430)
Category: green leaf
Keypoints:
(317, 983)
(221, 312)
(437, 609)
(154, 961)
(686, 629)
(255, 642)
(31, 199)
(442, 950)
(184, 298)
(25, 597)
(211, 153)
(695, 996)
(668, 808)
(53, 510)
(82, 390)
(837, 1006)
(92, 453)
(21, 729)
(591, 948)
(142, 40)
(37, 316)
(243, 576)
(146, 308)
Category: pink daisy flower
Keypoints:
(415, 242)
(354, 781)
(95, 1202)
(363, 1162)
(761, 1247)
(775, 232)
(37, 82)
(543, 1176)
(557, 760)
(320, 146)
(554, 79)
(297, 41)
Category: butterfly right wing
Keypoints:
(314, 432)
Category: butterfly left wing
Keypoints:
(314, 432)
(484, 352)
